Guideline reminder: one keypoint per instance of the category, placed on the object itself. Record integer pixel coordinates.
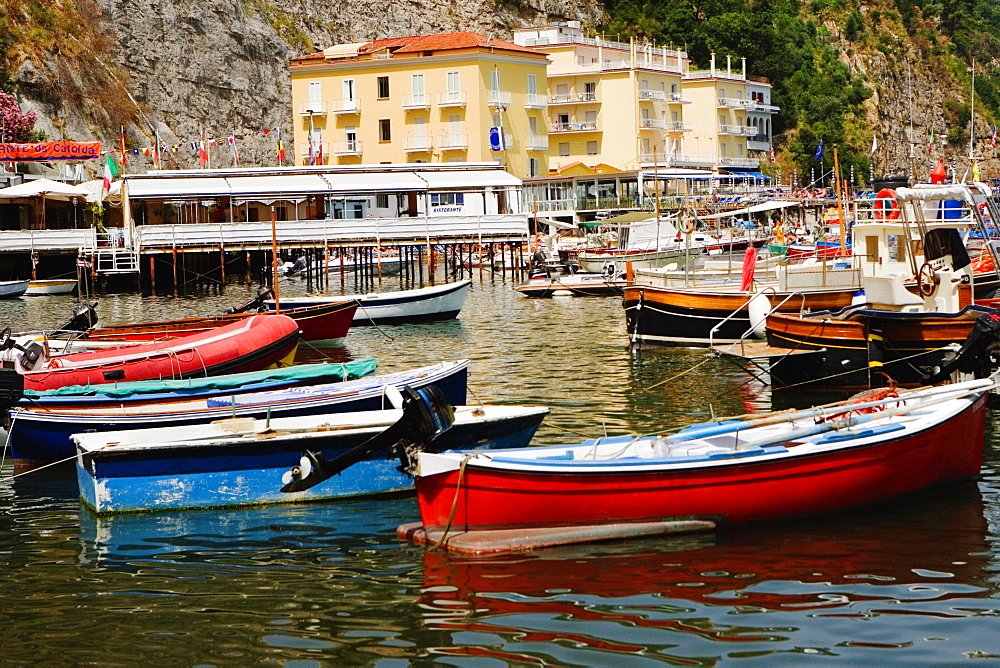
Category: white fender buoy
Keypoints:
(758, 308)
(394, 396)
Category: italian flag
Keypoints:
(110, 171)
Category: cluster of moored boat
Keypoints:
(907, 307)
(229, 432)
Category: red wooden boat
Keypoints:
(743, 470)
(249, 344)
(326, 322)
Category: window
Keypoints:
(315, 95)
(497, 120)
(532, 84)
(590, 91)
(532, 166)
(644, 84)
(350, 138)
(454, 93)
(494, 80)
(564, 148)
(592, 148)
(533, 126)
(447, 199)
(381, 201)
(347, 86)
(384, 130)
(674, 89)
(383, 88)
(417, 88)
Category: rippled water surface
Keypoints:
(915, 582)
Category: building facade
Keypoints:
(453, 97)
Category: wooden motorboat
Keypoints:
(729, 472)
(39, 434)
(248, 344)
(895, 334)
(327, 323)
(435, 302)
(573, 285)
(51, 286)
(241, 462)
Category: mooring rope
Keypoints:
(454, 505)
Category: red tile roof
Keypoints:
(439, 42)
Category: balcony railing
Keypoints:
(739, 130)
(538, 143)
(345, 106)
(350, 147)
(536, 101)
(679, 126)
(753, 105)
(455, 142)
(730, 103)
(312, 108)
(416, 144)
(754, 144)
(499, 97)
(679, 98)
(416, 101)
(451, 98)
(585, 126)
(678, 159)
(652, 95)
(652, 124)
(573, 98)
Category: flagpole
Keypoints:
(840, 202)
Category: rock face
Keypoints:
(220, 66)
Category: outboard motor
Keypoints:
(255, 304)
(84, 318)
(426, 414)
(979, 354)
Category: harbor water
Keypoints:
(915, 581)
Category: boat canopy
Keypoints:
(756, 208)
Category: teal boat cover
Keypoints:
(301, 373)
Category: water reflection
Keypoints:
(800, 588)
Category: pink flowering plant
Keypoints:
(15, 126)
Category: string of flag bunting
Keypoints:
(199, 146)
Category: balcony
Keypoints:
(455, 142)
(451, 98)
(536, 101)
(739, 162)
(652, 124)
(758, 144)
(312, 108)
(416, 101)
(678, 98)
(652, 95)
(730, 103)
(585, 126)
(678, 159)
(417, 144)
(573, 98)
(679, 126)
(737, 130)
(499, 98)
(753, 105)
(538, 143)
(349, 147)
(338, 107)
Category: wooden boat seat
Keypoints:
(889, 292)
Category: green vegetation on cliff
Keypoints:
(799, 45)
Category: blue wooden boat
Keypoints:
(39, 436)
(13, 289)
(242, 461)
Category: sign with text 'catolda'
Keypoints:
(50, 150)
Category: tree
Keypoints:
(15, 126)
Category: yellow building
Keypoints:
(722, 128)
(430, 98)
(634, 106)
(610, 102)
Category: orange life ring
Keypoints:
(886, 207)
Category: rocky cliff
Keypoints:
(183, 67)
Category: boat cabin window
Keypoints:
(946, 241)
(897, 250)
